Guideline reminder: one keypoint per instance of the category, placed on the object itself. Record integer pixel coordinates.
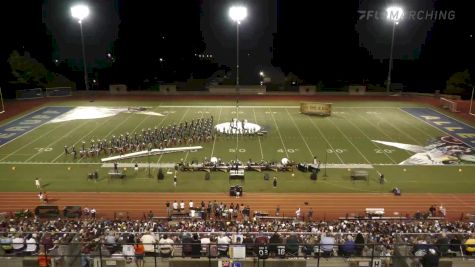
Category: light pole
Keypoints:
(237, 14)
(80, 12)
(262, 76)
(394, 14)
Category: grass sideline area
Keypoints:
(343, 138)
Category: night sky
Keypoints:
(316, 40)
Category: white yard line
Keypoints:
(384, 133)
(349, 141)
(278, 131)
(381, 120)
(57, 140)
(178, 106)
(375, 144)
(46, 163)
(326, 140)
(31, 142)
(216, 137)
(300, 133)
(258, 137)
(331, 166)
(415, 128)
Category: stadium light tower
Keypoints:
(237, 14)
(80, 12)
(394, 14)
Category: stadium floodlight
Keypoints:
(237, 14)
(394, 14)
(80, 12)
(261, 74)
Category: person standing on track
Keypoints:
(37, 183)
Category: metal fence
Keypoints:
(100, 253)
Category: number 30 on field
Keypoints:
(233, 150)
(44, 149)
(289, 150)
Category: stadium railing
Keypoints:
(58, 91)
(71, 252)
(29, 93)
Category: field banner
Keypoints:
(316, 108)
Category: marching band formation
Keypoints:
(186, 133)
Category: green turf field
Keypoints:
(341, 140)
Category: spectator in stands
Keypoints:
(430, 259)
(455, 244)
(349, 247)
(359, 244)
(223, 245)
(18, 243)
(205, 242)
(139, 253)
(195, 246)
(6, 243)
(469, 245)
(166, 246)
(327, 242)
(128, 249)
(186, 241)
(47, 241)
(309, 247)
(43, 259)
(292, 245)
(274, 241)
(31, 244)
(148, 241)
(442, 244)
(110, 241)
(420, 247)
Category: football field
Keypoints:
(374, 136)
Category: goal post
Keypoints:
(2, 107)
(449, 104)
(471, 103)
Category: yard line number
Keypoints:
(382, 151)
(337, 150)
(233, 150)
(43, 149)
(289, 150)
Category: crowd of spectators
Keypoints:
(212, 237)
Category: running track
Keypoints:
(325, 206)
